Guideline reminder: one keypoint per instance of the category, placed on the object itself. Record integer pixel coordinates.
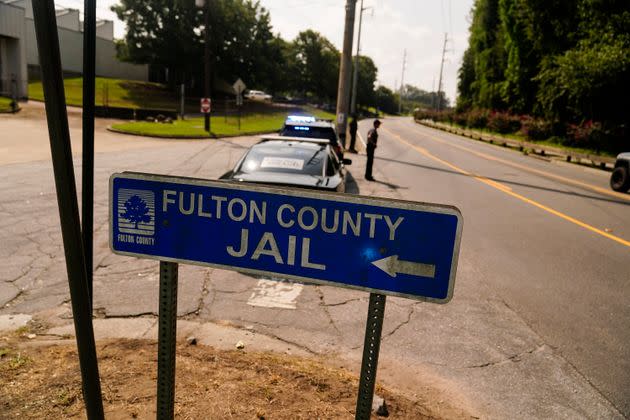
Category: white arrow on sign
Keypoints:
(392, 266)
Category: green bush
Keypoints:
(598, 136)
(460, 118)
(536, 129)
(503, 122)
(477, 118)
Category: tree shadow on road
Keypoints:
(505, 181)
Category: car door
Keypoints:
(335, 171)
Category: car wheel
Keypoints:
(620, 179)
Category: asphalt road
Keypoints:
(537, 328)
(550, 238)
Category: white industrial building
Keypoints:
(19, 60)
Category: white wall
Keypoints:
(69, 19)
(71, 47)
(105, 29)
(13, 51)
(16, 21)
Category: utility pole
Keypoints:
(206, 58)
(343, 92)
(402, 81)
(433, 94)
(355, 76)
(439, 93)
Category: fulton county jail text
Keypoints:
(286, 216)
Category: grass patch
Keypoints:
(5, 104)
(552, 143)
(319, 113)
(194, 127)
(520, 137)
(114, 93)
(210, 384)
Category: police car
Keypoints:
(292, 161)
(306, 126)
(620, 178)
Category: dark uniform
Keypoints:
(372, 139)
(353, 134)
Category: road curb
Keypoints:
(596, 161)
(192, 137)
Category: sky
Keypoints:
(389, 28)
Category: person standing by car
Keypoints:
(372, 139)
(353, 133)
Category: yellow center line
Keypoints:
(591, 187)
(508, 191)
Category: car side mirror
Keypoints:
(347, 161)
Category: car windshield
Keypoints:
(310, 132)
(289, 158)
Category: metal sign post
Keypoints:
(59, 133)
(392, 247)
(167, 337)
(239, 105)
(369, 363)
(87, 170)
(182, 100)
(239, 88)
(205, 105)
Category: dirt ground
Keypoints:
(42, 380)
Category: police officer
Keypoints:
(353, 133)
(372, 139)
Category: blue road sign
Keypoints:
(386, 246)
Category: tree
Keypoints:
(518, 90)
(365, 82)
(386, 100)
(136, 210)
(467, 77)
(160, 32)
(314, 63)
(565, 60)
(414, 97)
(170, 34)
(487, 55)
(586, 81)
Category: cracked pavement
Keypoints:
(476, 351)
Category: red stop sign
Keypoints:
(205, 105)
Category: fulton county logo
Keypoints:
(136, 212)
